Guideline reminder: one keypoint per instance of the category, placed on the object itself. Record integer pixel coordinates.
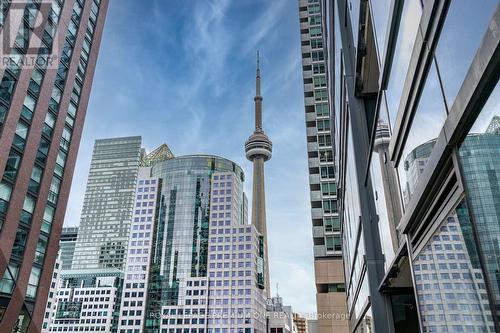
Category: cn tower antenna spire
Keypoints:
(258, 98)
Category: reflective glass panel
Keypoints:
(479, 156)
(459, 42)
(425, 127)
(408, 28)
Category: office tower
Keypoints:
(280, 317)
(329, 277)
(300, 323)
(258, 149)
(204, 257)
(140, 246)
(86, 300)
(50, 310)
(481, 165)
(415, 94)
(46, 76)
(67, 246)
(108, 204)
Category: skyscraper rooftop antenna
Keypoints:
(258, 60)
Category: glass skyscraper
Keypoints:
(108, 203)
(181, 244)
(48, 57)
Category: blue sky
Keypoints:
(183, 73)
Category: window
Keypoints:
(66, 138)
(314, 9)
(28, 208)
(322, 110)
(320, 95)
(336, 287)
(5, 192)
(60, 163)
(458, 43)
(20, 136)
(36, 81)
(3, 113)
(48, 217)
(55, 99)
(333, 243)
(331, 224)
(43, 150)
(319, 81)
(326, 156)
(315, 20)
(28, 107)
(316, 43)
(33, 282)
(318, 68)
(12, 166)
(7, 87)
(329, 188)
(36, 176)
(407, 32)
(327, 172)
(315, 31)
(20, 242)
(48, 126)
(40, 249)
(10, 275)
(324, 140)
(323, 125)
(330, 206)
(318, 56)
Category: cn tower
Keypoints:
(258, 149)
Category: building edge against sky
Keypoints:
(42, 112)
(416, 94)
(329, 277)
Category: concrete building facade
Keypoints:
(49, 54)
(330, 300)
(86, 301)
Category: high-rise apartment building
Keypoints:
(108, 204)
(415, 94)
(329, 276)
(139, 251)
(67, 245)
(49, 53)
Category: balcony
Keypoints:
(314, 179)
(311, 131)
(318, 231)
(317, 213)
(319, 251)
(315, 196)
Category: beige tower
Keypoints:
(259, 149)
